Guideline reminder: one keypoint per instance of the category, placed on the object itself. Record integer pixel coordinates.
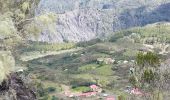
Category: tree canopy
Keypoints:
(18, 23)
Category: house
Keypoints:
(105, 60)
(136, 91)
(94, 87)
(100, 60)
(105, 95)
(125, 62)
(109, 61)
(95, 90)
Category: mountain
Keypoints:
(83, 20)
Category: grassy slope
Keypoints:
(36, 54)
(158, 30)
(77, 67)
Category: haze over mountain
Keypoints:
(86, 49)
(83, 20)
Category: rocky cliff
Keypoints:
(83, 20)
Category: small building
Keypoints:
(94, 87)
(125, 62)
(105, 95)
(136, 91)
(105, 60)
(133, 61)
(109, 61)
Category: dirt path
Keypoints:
(33, 56)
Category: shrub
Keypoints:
(133, 80)
(149, 58)
(148, 76)
(157, 95)
(7, 64)
(121, 97)
(80, 82)
(82, 89)
(88, 43)
(54, 98)
(51, 89)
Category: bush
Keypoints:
(119, 35)
(133, 80)
(54, 98)
(148, 76)
(80, 82)
(121, 97)
(149, 58)
(42, 46)
(157, 95)
(51, 89)
(89, 43)
(82, 89)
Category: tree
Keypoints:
(147, 75)
(18, 23)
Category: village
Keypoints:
(95, 91)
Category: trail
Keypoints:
(32, 56)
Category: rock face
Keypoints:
(13, 88)
(83, 20)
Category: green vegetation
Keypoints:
(82, 89)
(58, 64)
(17, 24)
(78, 69)
(147, 60)
(36, 46)
(45, 90)
(51, 89)
(122, 97)
(156, 32)
(130, 53)
(7, 64)
(88, 67)
(89, 43)
(148, 64)
(148, 75)
(104, 70)
(54, 98)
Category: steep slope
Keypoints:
(14, 88)
(82, 20)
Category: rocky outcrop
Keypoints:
(83, 20)
(14, 88)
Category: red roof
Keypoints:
(136, 91)
(93, 86)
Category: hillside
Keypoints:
(64, 71)
(84, 50)
(83, 20)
